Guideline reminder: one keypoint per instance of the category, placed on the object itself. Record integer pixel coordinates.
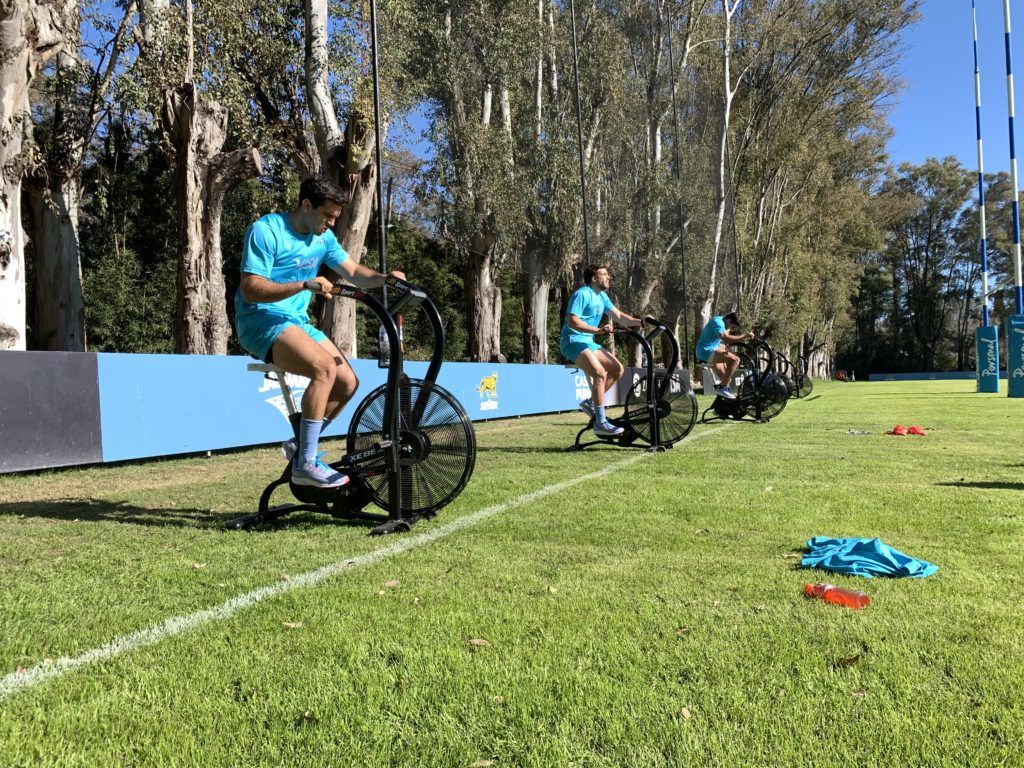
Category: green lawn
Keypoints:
(648, 616)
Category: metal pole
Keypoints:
(579, 134)
(981, 174)
(679, 194)
(1013, 164)
(378, 141)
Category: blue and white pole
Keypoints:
(1015, 324)
(986, 338)
(981, 172)
(1013, 164)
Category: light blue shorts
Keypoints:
(573, 349)
(258, 331)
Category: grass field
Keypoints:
(649, 614)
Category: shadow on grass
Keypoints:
(105, 510)
(995, 484)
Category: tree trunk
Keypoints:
(483, 303)
(536, 288)
(347, 159)
(196, 130)
(31, 31)
(723, 143)
(353, 169)
(60, 309)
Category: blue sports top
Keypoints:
(272, 249)
(710, 338)
(589, 306)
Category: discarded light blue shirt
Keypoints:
(863, 557)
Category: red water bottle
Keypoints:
(849, 598)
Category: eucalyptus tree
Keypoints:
(475, 58)
(195, 130)
(31, 32)
(547, 154)
(71, 104)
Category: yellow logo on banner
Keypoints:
(488, 390)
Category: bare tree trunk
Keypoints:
(727, 95)
(31, 31)
(354, 172)
(483, 302)
(347, 159)
(203, 174)
(60, 308)
(536, 287)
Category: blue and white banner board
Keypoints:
(1015, 355)
(159, 405)
(986, 356)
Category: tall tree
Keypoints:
(31, 31)
(196, 130)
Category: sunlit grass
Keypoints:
(650, 618)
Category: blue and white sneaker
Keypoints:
(607, 429)
(587, 406)
(725, 393)
(290, 447)
(317, 474)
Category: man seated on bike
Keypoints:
(711, 349)
(282, 253)
(587, 307)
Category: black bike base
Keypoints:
(345, 503)
(628, 438)
(729, 410)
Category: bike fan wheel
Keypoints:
(437, 445)
(771, 391)
(677, 410)
(804, 386)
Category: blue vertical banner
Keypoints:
(986, 356)
(1015, 355)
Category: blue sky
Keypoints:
(934, 115)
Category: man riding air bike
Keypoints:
(587, 307)
(712, 352)
(281, 258)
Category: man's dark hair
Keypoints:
(732, 317)
(590, 271)
(318, 189)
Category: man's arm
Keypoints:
(361, 276)
(735, 338)
(259, 290)
(624, 320)
(574, 322)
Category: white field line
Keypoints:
(178, 625)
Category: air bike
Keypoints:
(795, 375)
(656, 417)
(411, 447)
(762, 393)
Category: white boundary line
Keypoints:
(178, 625)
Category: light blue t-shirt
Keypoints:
(589, 306)
(272, 249)
(710, 338)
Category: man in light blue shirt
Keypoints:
(282, 254)
(587, 307)
(711, 349)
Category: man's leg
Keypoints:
(296, 352)
(597, 374)
(613, 369)
(345, 382)
(724, 364)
